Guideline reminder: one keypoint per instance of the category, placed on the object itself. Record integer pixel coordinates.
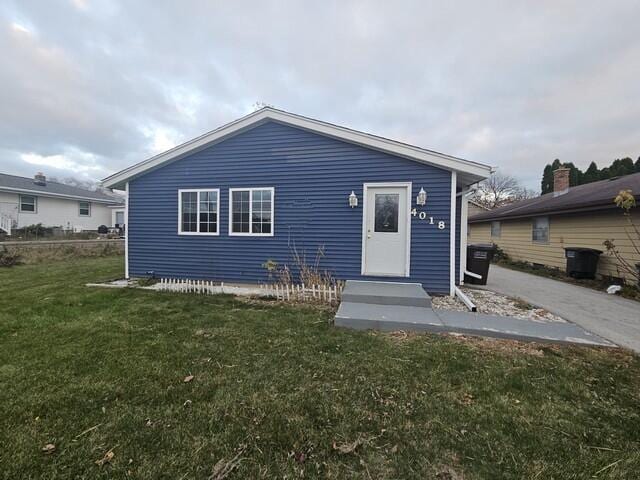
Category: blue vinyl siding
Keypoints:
(313, 176)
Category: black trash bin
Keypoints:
(479, 258)
(582, 262)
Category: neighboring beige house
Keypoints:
(474, 208)
(28, 201)
(537, 230)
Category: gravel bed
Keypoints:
(496, 304)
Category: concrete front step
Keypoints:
(385, 293)
(387, 318)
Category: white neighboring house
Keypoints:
(28, 201)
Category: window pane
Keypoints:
(208, 212)
(386, 212)
(240, 211)
(495, 229)
(84, 208)
(261, 211)
(189, 211)
(27, 203)
(540, 230)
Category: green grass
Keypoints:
(281, 386)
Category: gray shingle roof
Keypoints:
(15, 183)
(591, 196)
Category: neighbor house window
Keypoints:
(540, 230)
(85, 209)
(251, 211)
(28, 203)
(198, 211)
(495, 229)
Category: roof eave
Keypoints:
(473, 171)
(584, 209)
(57, 195)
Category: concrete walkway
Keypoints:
(614, 318)
(405, 306)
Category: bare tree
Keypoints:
(499, 190)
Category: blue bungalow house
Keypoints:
(221, 205)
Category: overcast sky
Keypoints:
(90, 87)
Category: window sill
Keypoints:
(251, 234)
(198, 234)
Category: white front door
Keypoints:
(386, 230)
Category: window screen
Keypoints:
(208, 212)
(495, 229)
(189, 209)
(27, 203)
(540, 230)
(199, 211)
(85, 209)
(252, 211)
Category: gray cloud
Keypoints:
(89, 87)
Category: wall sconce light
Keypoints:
(353, 200)
(421, 199)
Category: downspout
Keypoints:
(464, 218)
(126, 232)
(452, 239)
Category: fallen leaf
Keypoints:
(223, 468)
(394, 449)
(149, 423)
(49, 448)
(107, 458)
(187, 403)
(188, 378)
(347, 447)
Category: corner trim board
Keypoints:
(452, 234)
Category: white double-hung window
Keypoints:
(198, 211)
(251, 211)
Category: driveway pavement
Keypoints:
(614, 318)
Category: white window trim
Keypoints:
(80, 214)
(198, 190)
(250, 233)
(365, 186)
(35, 204)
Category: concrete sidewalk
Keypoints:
(406, 306)
(614, 318)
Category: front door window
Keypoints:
(387, 212)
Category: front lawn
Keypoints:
(278, 392)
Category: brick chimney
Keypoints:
(40, 179)
(560, 181)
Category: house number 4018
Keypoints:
(423, 216)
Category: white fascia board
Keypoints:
(39, 193)
(475, 170)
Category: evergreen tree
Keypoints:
(575, 174)
(546, 185)
(620, 167)
(592, 173)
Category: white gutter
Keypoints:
(464, 225)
